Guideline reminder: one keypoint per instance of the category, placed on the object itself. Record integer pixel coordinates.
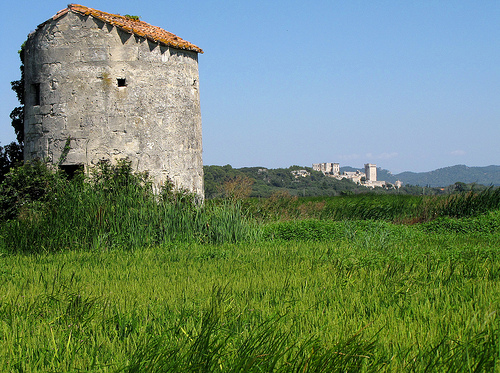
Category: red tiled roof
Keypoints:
(133, 26)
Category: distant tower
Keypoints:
(371, 172)
(336, 169)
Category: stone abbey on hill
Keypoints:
(101, 86)
(368, 178)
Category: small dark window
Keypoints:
(36, 94)
(121, 82)
(72, 169)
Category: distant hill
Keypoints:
(489, 175)
(263, 182)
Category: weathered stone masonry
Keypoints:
(117, 88)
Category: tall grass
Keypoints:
(118, 209)
(331, 230)
(96, 216)
(220, 344)
(121, 213)
(395, 208)
(462, 204)
(86, 218)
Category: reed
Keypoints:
(394, 208)
(117, 209)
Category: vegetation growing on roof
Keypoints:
(133, 18)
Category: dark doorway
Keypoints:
(72, 169)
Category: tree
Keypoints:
(239, 187)
(10, 155)
(17, 115)
(30, 187)
(460, 187)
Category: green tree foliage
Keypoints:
(266, 182)
(237, 188)
(10, 156)
(29, 189)
(216, 176)
(17, 115)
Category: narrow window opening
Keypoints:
(121, 82)
(36, 94)
(71, 170)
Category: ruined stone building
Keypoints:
(327, 168)
(113, 87)
(368, 178)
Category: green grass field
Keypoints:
(379, 298)
(108, 277)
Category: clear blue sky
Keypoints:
(408, 85)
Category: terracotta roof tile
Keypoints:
(132, 26)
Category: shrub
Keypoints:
(29, 188)
(11, 155)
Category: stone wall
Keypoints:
(114, 95)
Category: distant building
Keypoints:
(368, 178)
(371, 176)
(371, 172)
(326, 168)
(300, 173)
(354, 176)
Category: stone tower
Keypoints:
(113, 87)
(371, 172)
